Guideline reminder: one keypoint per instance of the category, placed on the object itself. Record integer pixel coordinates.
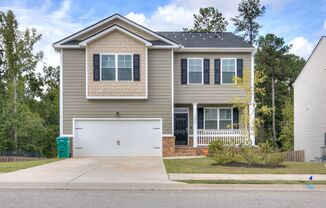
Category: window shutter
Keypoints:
(206, 71)
(240, 68)
(183, 71)
(96, 67)
(136, 60)
(217, 69)
(235, 118)
(200, 118)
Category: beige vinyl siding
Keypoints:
(114, 43)
(207, 93)
(121, 24)
(310, 104)
(158, 104)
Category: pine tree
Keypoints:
(246, 22)
(209, 19)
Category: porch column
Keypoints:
(194, 125)
(252, 104)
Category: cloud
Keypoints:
(52, 24)
(179, 14)
(277, 5)
(301, 47)
(137, 17)
(324, 25)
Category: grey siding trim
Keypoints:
(158, 104)
(309, 104)
(208, 93)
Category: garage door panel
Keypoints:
(100, 138)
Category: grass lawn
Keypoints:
(6, 167)
(206, 165)
(252, 182)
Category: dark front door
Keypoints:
(181, 128)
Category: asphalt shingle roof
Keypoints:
(206, 39)
(196, 39)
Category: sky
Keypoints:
(300, 22)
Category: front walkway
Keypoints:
(294, 177)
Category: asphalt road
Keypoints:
(164, 199)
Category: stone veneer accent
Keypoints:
(117, 42)
(168, 146)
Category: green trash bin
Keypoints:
(63, 146)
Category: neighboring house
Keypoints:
(126, 90)
(309, 104)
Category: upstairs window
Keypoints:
(195, 71)
(108, 67)
(116, 67)
(228, 70)
(124, 67)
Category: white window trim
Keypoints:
(116, 67)
(235, 73)
(218, 116)
(202, 71)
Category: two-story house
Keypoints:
(126, 90)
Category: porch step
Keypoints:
(185, 151)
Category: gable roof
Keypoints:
(187, 41)
(110, 29)
(108, 19)
(308, 60)
(207, 39)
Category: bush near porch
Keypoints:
(245, 155)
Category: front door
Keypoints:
(181, 128)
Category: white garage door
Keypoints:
(119, 137)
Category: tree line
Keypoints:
(29, 101)
(275, 70)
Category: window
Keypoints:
(225, 120)
(116, 67)
(228, 71)
(124, 67)
(108, 67)
(211, 118)
(218, 118)
(195, 71)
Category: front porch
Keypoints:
(197, 125)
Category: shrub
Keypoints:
(273, 159)
(261, 156)
(250, 155)
(222, 154)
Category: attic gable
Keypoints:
(115, 19)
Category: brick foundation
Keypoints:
(171, 150)
(168, 146)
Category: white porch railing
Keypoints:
(228, 136)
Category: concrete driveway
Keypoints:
(76, 171)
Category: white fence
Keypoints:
(229, 136)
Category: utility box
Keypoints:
(63, 147)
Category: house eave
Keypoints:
(214, 49)
(115, 16)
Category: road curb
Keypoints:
(161, 187)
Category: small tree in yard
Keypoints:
(243, 102)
